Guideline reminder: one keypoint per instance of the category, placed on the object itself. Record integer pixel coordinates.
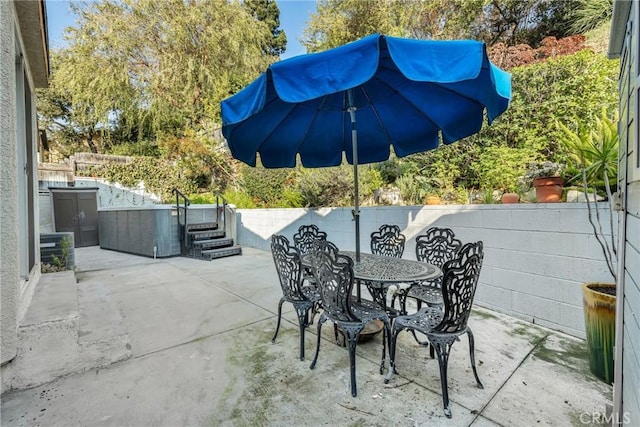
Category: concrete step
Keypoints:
(83, 326)
(221, 252)
(100, 318)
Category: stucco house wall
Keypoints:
(23, 67)
(624, 44)
(8, 188)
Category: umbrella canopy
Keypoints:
(402, 93)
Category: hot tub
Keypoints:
(147, 230)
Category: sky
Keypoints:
(293, 17)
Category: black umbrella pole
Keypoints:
(356, 211)
(354, 146)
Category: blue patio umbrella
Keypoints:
(407, 94)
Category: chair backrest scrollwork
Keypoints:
(306, 236)
(459, 281)
(334, 279)
(437, 246)
(288, 266)
(388, 241)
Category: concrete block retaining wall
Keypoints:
(536, 255)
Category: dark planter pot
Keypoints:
(548, 189)
(599, 302)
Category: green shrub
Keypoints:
(265, 186)
(136, 148)
(326, 186)
(499, 167)
(202, 199)
(159, 176)
(240, 199)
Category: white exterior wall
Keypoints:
(114, 195)
(536, 255)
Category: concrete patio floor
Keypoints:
(199, 335)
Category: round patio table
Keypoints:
(379, 272)
(387, 270)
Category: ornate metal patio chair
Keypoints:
(334, 277)
(442, 328)
(436, 246)
(388, 241)
(303, 298)
(304, 240)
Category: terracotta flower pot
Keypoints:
(548, 189)
(510, 198)
(599, 303)
(432, 200)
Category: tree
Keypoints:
(267, 11)
(153, 68)
(340, 21)
(509, 21)
(70, 128)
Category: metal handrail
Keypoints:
(220, 212)
(183, 230)
(224, 210)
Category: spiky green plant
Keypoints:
(594, 151)
(591, 14)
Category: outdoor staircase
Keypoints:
(204, 240)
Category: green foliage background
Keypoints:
(146, 78)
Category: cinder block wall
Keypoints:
(536, 255)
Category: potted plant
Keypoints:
(546, 178)
(508, 198)
(510, 193)
(431, 189)
(594, 152)
(419, 189)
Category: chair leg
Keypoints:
(393, 336)
(402, 296)
(279, 316)
(314, 310)
(302, 323)
(336, 336)
(386, 340)
(352, 335)
(424, 343)
(473, 357)
(393, 300)
(443, 346)
(315, 358)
